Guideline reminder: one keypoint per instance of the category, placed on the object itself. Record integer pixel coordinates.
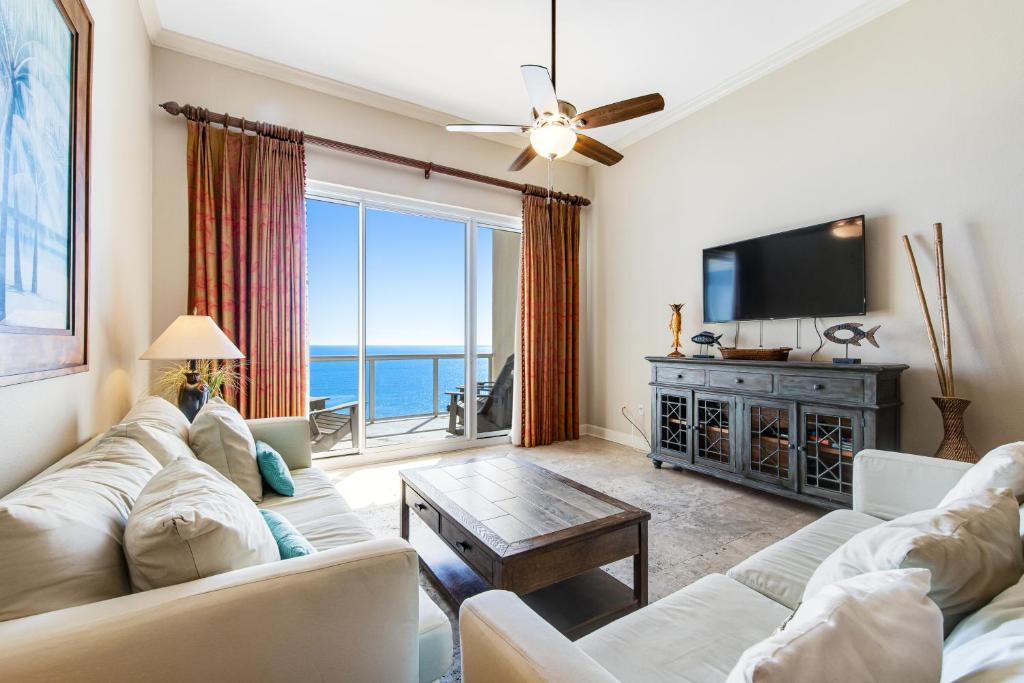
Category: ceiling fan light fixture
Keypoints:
(553, 140)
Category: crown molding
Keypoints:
(195, 47)
(826, 34)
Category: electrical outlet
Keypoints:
(640, 409)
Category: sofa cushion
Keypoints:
(972, 547)
(436, 642)
(61, 533)
(161, 413)
(274, 470)
(290, 543)
(840, 632)
(318, 511)
(220, 438)
(1002, 467)
(162, 444)
(989, 644)
(696, 634)
(781, 571)
(190, 522)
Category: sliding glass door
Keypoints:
(415, 325)
(423, 299)
(333, 284)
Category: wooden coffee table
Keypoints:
(500, 522)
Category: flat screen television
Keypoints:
(812, 272)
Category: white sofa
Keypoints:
(353, 611)
(698, 633)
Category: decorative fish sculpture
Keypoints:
(856, 334)
(706, 338)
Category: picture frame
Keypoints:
(45, 105)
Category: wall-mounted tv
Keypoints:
(812, 272)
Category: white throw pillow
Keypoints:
(190, 522)
(971, 546)
(879, 626)
(61, 533)
(1002, 467)
(989, 644)
(160, 427)
(220, 438)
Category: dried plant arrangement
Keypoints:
(218, 375)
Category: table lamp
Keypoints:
(192, 338)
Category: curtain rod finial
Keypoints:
(172, 108)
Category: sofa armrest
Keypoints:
(289, 436)
(504, 641)
(888, 484)
(346, 614)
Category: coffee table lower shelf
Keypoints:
(576, 606)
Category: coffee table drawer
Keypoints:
(468, 548)
(747, 381)
(424, 509)
(843, 388)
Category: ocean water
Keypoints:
(401, 387)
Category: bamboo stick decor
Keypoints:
(939, 370)
(947, 342)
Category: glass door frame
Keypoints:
(368, 199)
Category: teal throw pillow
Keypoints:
(290, 543)
(274, 470)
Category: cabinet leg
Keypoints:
(657, 464)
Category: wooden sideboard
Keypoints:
(790, 428)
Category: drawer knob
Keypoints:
(818, 387)
(679, 376)
(462, 545)
(739, 380)
(420, 506)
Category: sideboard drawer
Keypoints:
(741, 381)
(424, 509)
(842, 388)
(468, 548)
(669, 375)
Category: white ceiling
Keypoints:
(461, 58)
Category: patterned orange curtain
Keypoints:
(247, 257)
(550, 300)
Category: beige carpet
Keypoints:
(699, 525)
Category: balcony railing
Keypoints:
(371, 383)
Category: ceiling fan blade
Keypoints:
(525, 157)
(620, 111)
(598, 151)
(540, 89)
(485, 128)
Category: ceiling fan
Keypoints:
(556, 125)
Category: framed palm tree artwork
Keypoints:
(45, 73)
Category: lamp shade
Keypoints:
(192, 337)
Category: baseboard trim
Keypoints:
(634, 441)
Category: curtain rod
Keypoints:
(196, 113)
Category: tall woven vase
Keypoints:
(955, 445)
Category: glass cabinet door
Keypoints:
(829, 438)
(770, 449)
(673, 437)
(712, 436)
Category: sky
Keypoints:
(415, 274)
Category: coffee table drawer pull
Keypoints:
(423, 509)
(463, 546)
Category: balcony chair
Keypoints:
(493, 404)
